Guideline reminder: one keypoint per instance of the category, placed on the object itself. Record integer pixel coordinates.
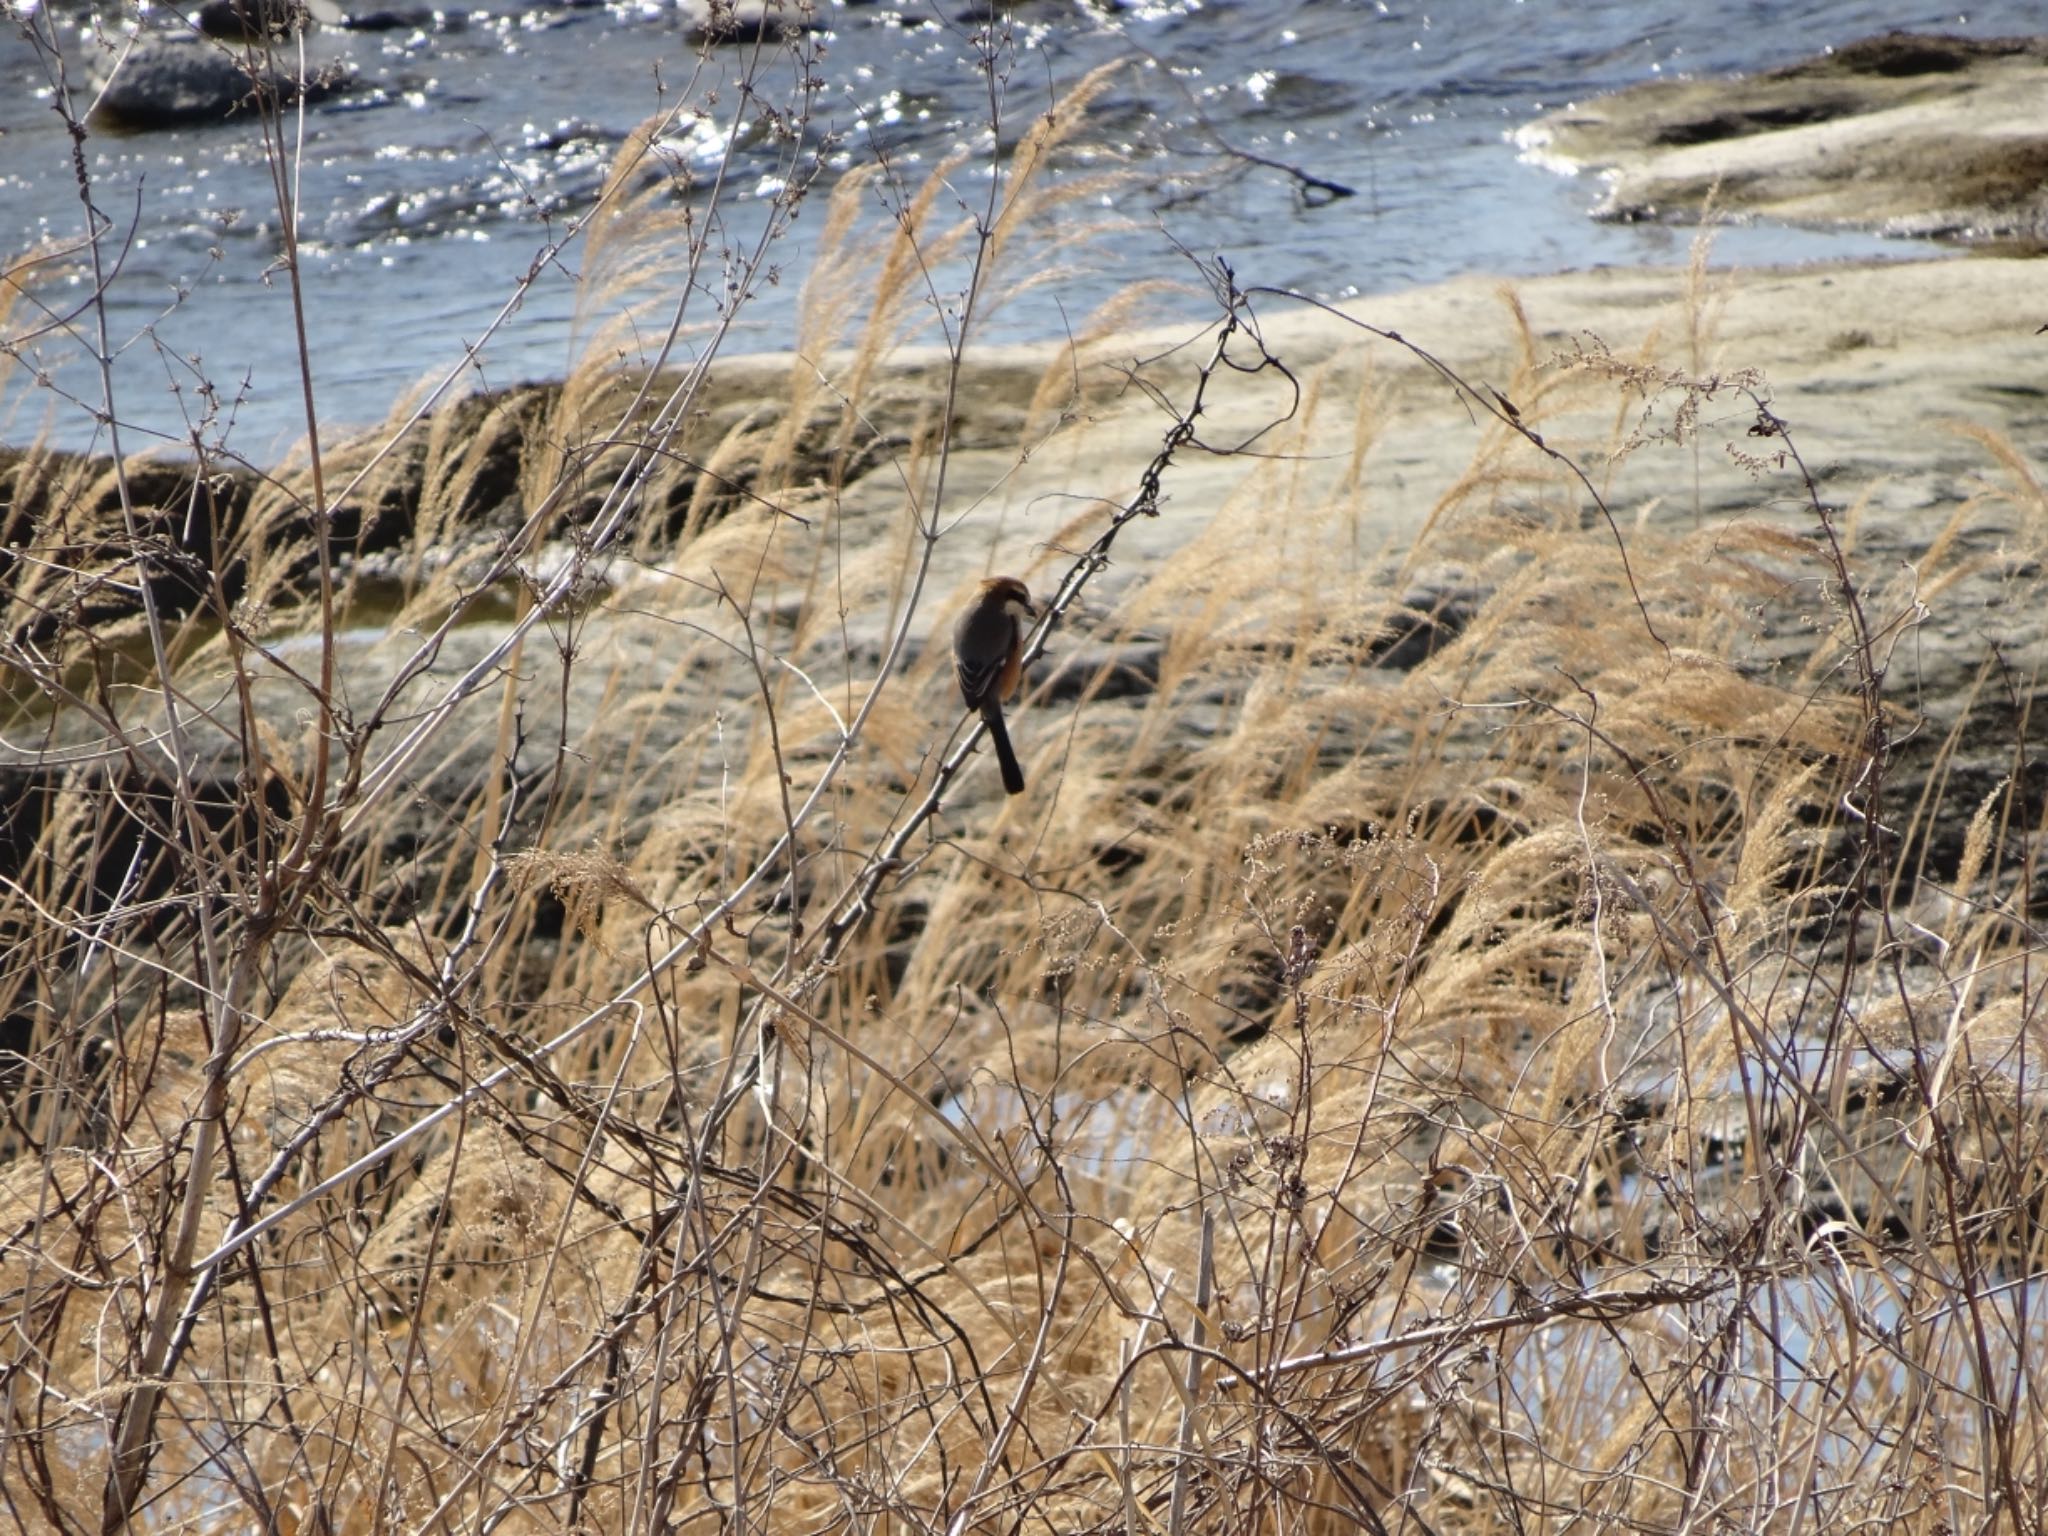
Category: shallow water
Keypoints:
(429, 188)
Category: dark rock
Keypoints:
(389, 19)
(1102, 673)
(170, 82)
(139, 840)
(1733, 123)
(1904, 55)
(256, 21)
(1427, 621)
(187, 535)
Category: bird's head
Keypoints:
(1010, 593)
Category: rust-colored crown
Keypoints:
(1009, 587)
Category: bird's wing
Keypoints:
(978, 677)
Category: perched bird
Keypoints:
(988, 651)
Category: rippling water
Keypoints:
(431, 185)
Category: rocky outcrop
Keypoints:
(1905, 133)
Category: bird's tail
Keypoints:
(1006, 756)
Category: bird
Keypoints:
(988, 653)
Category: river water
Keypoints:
(469, 137)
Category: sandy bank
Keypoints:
(1875, 367)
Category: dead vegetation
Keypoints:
(1468, 1036)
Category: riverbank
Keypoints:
(1523, 906)
(1898, 381)
(1465, 906)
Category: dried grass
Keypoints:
(1528, 1086)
